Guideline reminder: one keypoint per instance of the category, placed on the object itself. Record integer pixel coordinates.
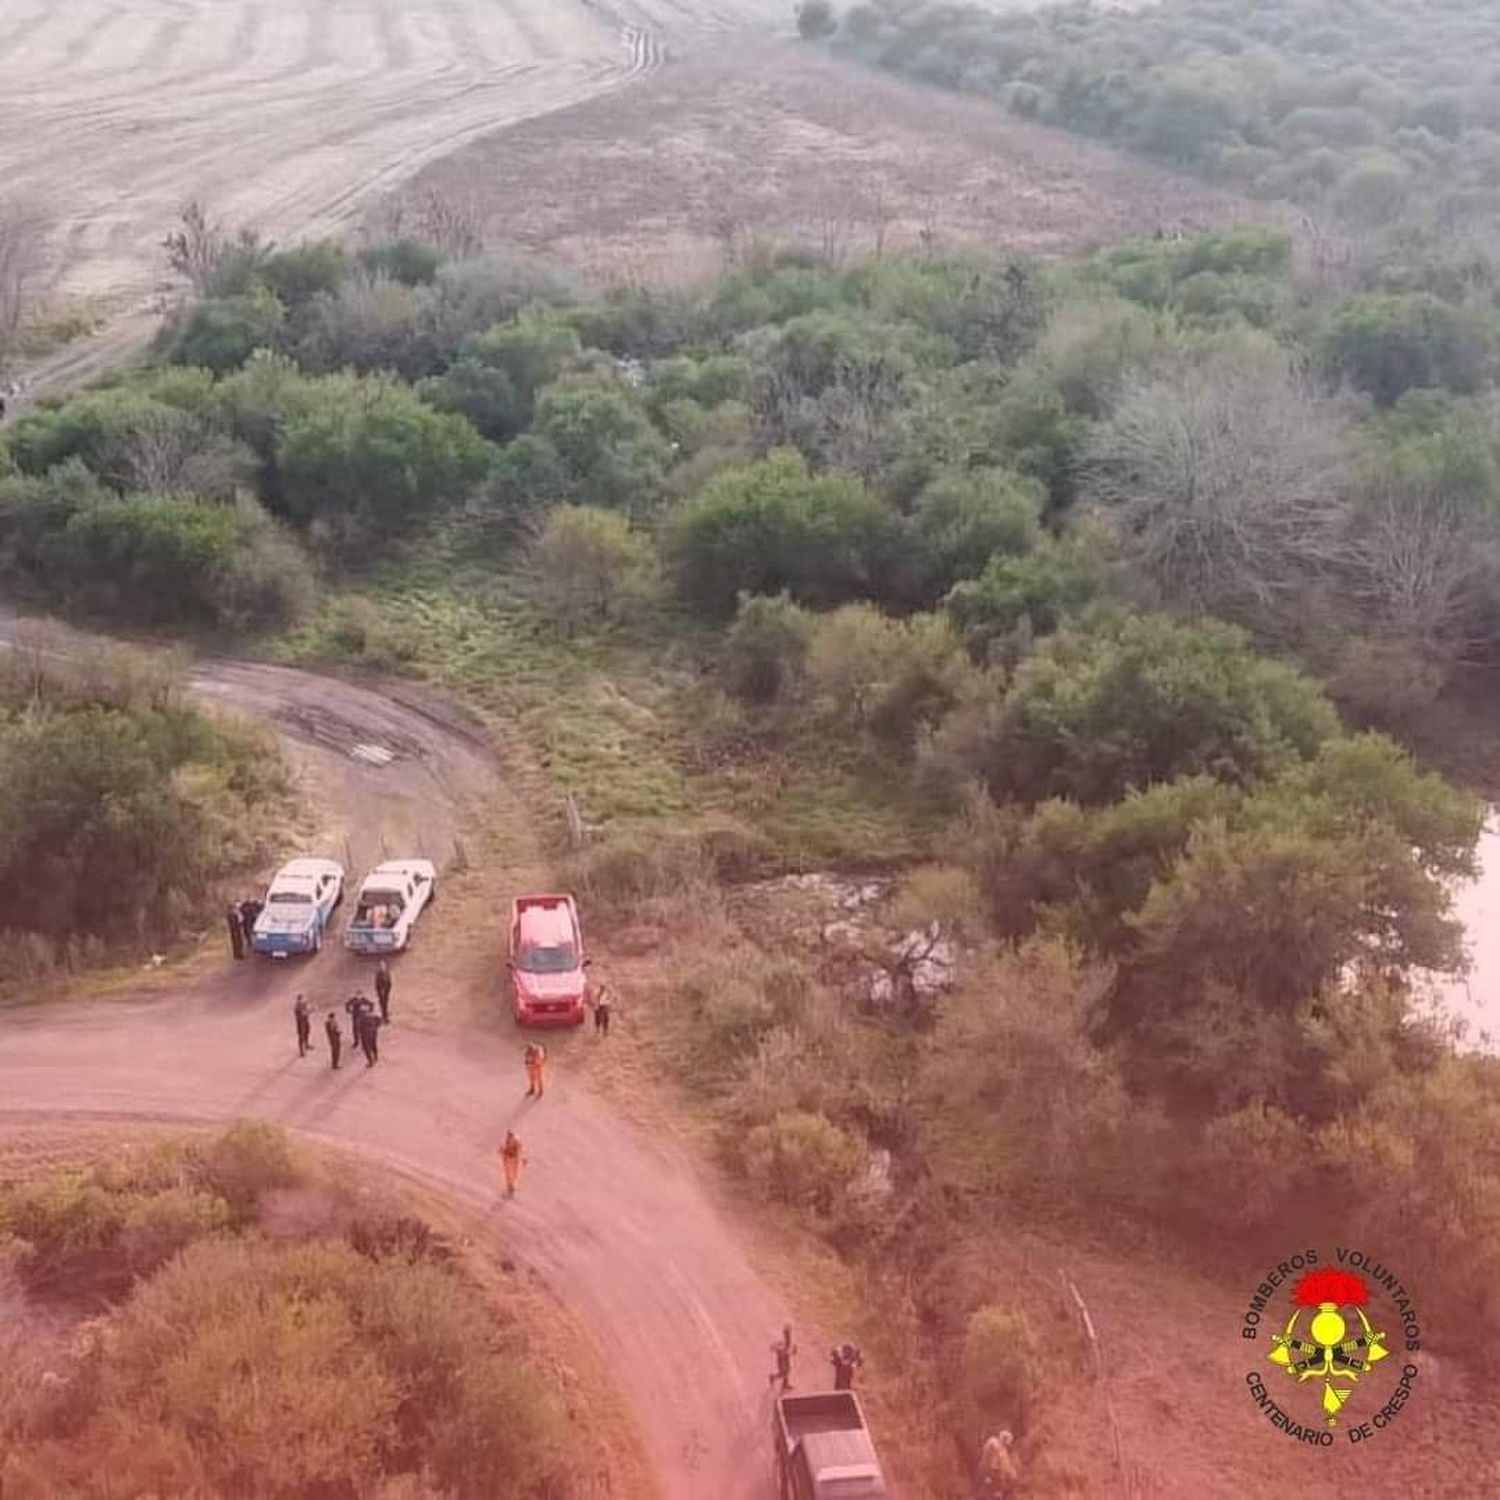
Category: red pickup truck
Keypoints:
(546, 961)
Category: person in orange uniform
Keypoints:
(536, 1070)
(510, 1162)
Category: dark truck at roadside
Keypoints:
(824, 1450)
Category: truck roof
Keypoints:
(841, 1466)
(396, 869)
(305, 869)
(547, 926)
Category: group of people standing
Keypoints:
(845, 1358)
(240, 917)
(364, 1023)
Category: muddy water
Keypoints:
(1476, 999)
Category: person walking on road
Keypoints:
(536, 1070)
(510, 1162)
(383, 990)
(846, 1360)
(335, 1040)
(783, 1350)
(236, 930)
(303, 1017)
(603, 1002)
(367, 1032)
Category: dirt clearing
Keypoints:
(773, 141)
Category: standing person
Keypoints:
(303, 1017)
(383, 990)
(784, 1350)
(236, 930)
(536, 1070)
(999, 1472)
(846, 1360)
(603, 1001)
(367, 1032)
(335, 1040)
(249, 913)
(356, 1006)
(510, 1162)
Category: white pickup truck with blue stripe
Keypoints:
(298, 908)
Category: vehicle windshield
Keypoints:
(290, 898)
(559, 959)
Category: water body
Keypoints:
(1476, 903)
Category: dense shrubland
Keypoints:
(1106, 573)
(265, 1330)
(1380, 114)
(120, 804)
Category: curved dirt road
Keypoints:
(616, 1223)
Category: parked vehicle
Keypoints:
(299, 904)
(391, 898)
(824, 1450)
(546, 961)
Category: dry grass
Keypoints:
(767, 142)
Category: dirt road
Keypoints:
(618, 1224)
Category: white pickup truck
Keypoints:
(391, 898)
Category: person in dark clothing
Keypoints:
(367, 1033)
(383, 990)
(249, 912)
(335, 1039)
(357, 1005)
(303, 1017)
(784, 1350)
(603, 1001)
(236, 930)
(846, 1360)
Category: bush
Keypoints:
(221, 333)
(775, 528)
(963, 520)
(368, 324)
(608, 452)
(893, 678)
(235, 1371)
(1096, 712)
(154, 560)
(803, 1159)
(405, 260)
(763, 652)
(815, 20)
(365, 458)
(1002, 1365)
(1388, 344)
(1016, 600)
(118, 807)
(592, 568)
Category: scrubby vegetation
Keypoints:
(265, 1331)
(1378, 113)
(120, 804)
(1099, 581)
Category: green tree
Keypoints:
(366, 457)
(1388, 343)
(1125, 704)
(610, 453)
(775, 527)
(963, 520)
(221, 333)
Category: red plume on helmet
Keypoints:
(1342, 1288)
